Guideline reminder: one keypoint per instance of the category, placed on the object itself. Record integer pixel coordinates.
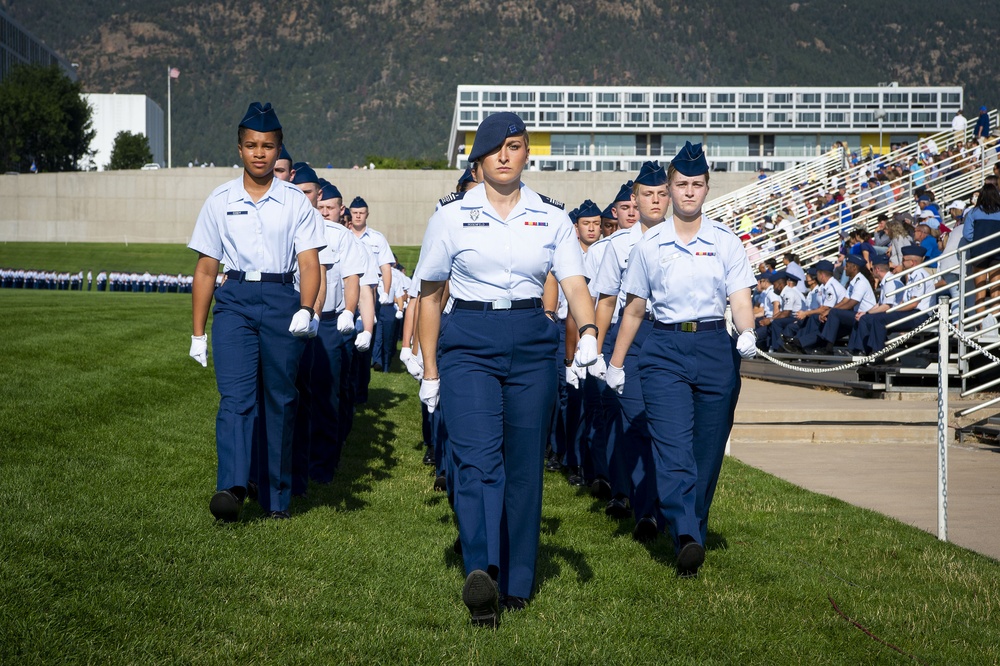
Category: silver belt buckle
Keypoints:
(251, 276)
(502, 304)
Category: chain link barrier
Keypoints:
(858, 361)
(972, 343)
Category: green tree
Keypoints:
(130, 151)
(43, 119)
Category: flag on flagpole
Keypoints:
(175, 73)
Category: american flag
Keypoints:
(175, 73)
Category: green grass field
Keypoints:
(108, 553)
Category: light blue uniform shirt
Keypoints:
(614, 263)
(343, 256)
(791, 299)
(859, 290)
(488, 258)
(688, 281)
(832, 293)
(265, 236)
(918, 290)
(378, 245)
(890, 283)
(592, 262)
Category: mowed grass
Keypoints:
(108, 553)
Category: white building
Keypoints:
(593, 128)
(125, 113)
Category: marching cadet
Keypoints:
(629, 443)
(687, 268)
(261, 229)
(496, 245)
(385, 324)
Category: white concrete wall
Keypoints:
(162, 206)
(125, 113)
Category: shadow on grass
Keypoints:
(367, 458)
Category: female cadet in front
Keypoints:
(260, 227)
(496, 244)
(687, 267)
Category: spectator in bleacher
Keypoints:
(899, 238)
(950, 241)
(958, 126)
(786, 226)
(794, 270)
(926, 202)
(923, 237)
(980, 223)
(982, 130)
(916, 173)
(862, 246)
(872, 328)
(881, 238)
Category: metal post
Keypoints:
(170, 142)
(943, 308)
(963, 366)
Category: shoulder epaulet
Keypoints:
(552, 202)
(454, 196)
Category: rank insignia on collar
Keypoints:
(474, 214)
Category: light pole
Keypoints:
(880, 116)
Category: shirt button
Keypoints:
(506, 270)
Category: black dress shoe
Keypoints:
(821, 350)
(575, 477)
(441, 483)
(601, 489)
(457, 546)
(553, 465)
(792, 345)
(645, 530)
(226, 506)
(513, 604)
(689, 558)
(482, 598)
(278, 515)
(252, 491)
(618, 508)
(429, 456)
(377, 367)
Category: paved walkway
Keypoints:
(797, 434)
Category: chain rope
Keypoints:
(858, 361)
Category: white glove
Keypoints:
(345, 322)
(615, 378)
(415, 366)
(746, 344)
(571, 377)
(598, 369)
(430, 390)
(384, 298)
(199, 349)
(399, 313)
(586, 351)
(363, 341)
(314, 326)
(300, 323)
(405, 354)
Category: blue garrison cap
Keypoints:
(779, 275)
(466, 177)
(880, 259)
(651, 174)
(625, 193)
(914, 251)
(811, 271)
(824, 265)
(284, 154)
(304, 174)
(690, 160)
(493, 131)
(261, 118)
(609, 212)
(857, 260)
(574, 215)
(358, 203)
(329, 191)
(588, 209)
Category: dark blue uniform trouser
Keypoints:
(498, 392)
(808, 331)
(774, 331)
(690, 384)
(347, 386)
(557, 434)
(838, 323)
(632, 448)
(250, 345)
(871, 334)
(361, 367)
(384, 342)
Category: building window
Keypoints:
(638, 98)
(494, 97)
(570, 144)
(723, 98)
(809, 98)
(469, 96)
(751, 118)
(727, 145)
(753, 98)
(638, 117)
(951, 98)
(897, 98)
(923, 117)
(527, 116)
(693, 98)
(470, 116)
(579, 98)
(866, 98)
(580, 116)
(609, 117)
(607, 98)
(865, 118)
(808, 117)
(780, 98)
(522, 97)
(693, 117)
(664, 116)
(780, 117)
(897, 117)
(925, 98)
(614, 144)
(551, 116)
(551, 98)
(836, 117)
(722, 117)
(664, 98)
(837, 98)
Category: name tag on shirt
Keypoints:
(237, 212)
(475, 224)
(536, 224)
(670, 257)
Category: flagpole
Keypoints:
(170, 144)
